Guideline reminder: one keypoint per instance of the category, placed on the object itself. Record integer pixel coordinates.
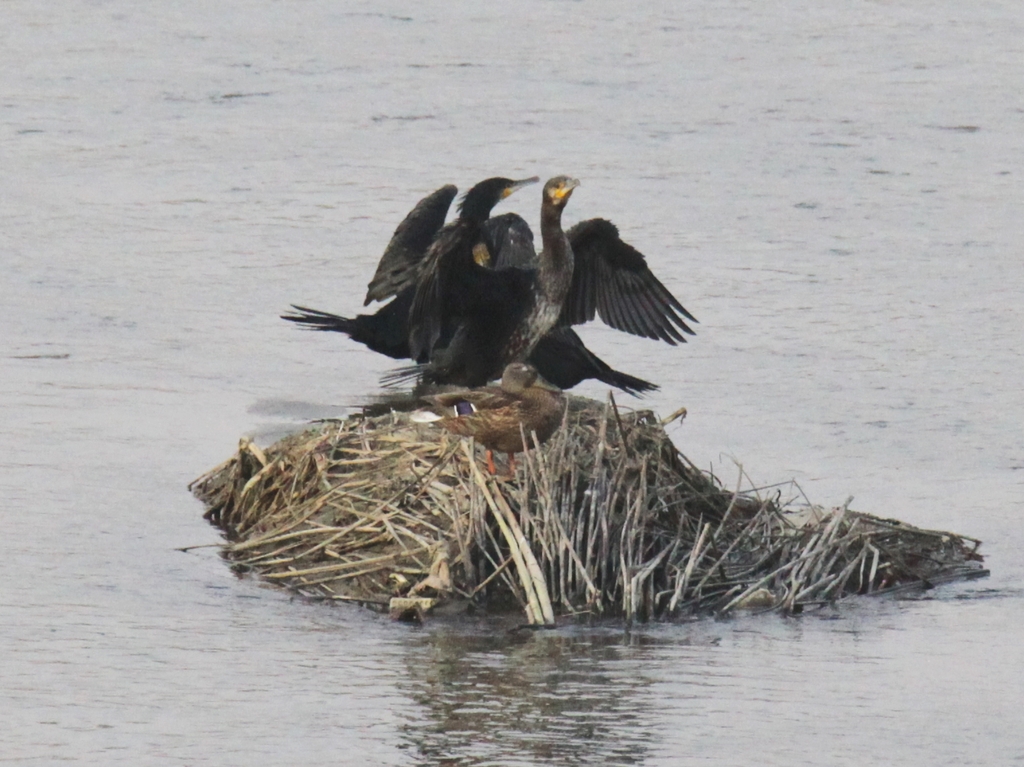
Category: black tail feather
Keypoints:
(410, 374)
(314, 319)
(385, 332)
(629, 384)
(562, 359)
(560, 356)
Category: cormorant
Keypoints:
(499, 315)
(560, 356)
(387, 331)
(399, 266)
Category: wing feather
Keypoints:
(635, 312)
(650, 323)
(399, 266)
(429, 312)
(611, 280)
(510, 241)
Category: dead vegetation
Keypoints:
(607, 518)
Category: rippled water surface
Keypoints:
(832, 188)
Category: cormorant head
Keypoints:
(558, 190)
(518, 376)
(477, 204)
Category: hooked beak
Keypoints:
(515, 186)
(566, 189)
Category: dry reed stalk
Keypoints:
(538, 603)
(607, 518)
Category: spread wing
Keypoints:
(611, 279)
(399, 266)
(447, 258)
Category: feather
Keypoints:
(424, 416)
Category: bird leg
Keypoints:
(512, 464)
(490, 463)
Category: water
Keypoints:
(833, 189)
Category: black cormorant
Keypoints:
(400, 264)
(490, 317)
(560, 356)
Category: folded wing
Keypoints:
(453, 288)
(510, 241)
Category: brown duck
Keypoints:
(492, 414)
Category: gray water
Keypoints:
(832, 188)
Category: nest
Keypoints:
(607, 518)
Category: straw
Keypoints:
(607, 518)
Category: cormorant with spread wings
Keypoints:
(560, 356)
(471, 319)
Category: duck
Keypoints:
(498, 417)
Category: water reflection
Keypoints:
(851, 264)
(529, 698)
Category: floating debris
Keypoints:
(606, 519)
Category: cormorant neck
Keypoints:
(475, 211)
(555, 254)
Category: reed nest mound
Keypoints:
(607, 519)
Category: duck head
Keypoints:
(518, 376)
